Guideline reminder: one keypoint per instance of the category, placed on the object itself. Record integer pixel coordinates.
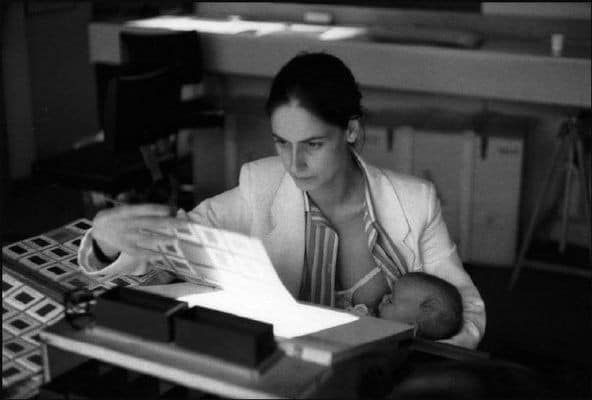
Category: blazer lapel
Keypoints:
(389, 212)
(285, 240)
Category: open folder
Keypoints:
(232, 273)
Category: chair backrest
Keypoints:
(140, 109)
(178, 50)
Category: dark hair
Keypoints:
(441, 311)
(322, 84)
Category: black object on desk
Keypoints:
(138, 313)
(226, 336)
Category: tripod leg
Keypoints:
(585, 183)
(533, 220)
(567, 192)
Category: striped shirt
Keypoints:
(322, 244)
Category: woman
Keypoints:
(339, 232)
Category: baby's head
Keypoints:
(433, 305)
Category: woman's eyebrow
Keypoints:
(310, 139)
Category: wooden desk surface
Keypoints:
(488, 72)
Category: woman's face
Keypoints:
(313, 152)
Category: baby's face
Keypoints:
(402, 305)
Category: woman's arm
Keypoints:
(440, 258)
(126, 234)
(118, 230)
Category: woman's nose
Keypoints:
(298, 162)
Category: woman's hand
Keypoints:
(133, 229)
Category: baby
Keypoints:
(433, 305)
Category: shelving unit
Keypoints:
(489, 72)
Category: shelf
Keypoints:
(495, 71)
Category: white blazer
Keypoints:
(268, 204)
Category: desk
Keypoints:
(287, 377)
(287, 373)
(527, 75)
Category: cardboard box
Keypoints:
(475, 163)
(498, 157)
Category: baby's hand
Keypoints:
(361, 310)
(385, 306)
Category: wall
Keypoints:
(17, 90)
(48, 80)
(4, 177)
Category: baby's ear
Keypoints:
(430, 306)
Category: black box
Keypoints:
(226, 336)
(138, 313)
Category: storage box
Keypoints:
(138, 313)
(498, 157)
(389, 138)
(442, 154)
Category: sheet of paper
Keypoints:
(289, 320)
(218, 258)
(185, 23)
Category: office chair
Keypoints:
(181, 52)
(139, 110)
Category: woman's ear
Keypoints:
(353, 131)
